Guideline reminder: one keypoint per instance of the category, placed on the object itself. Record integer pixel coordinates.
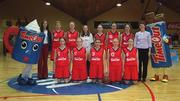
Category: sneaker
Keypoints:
(31, 81)
(21, 80)
(165, 79)
(155, 78)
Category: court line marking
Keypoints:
(114, 87)
(62, 85)
(150, 92)
(55, 91)
(49, 76)
(22, 96)
(4, 81)
(44, 80)
(99, 97)
(47, 83)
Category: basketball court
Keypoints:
(91, 13)
(48, 90)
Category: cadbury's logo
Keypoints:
(158, 55)
(30, 37)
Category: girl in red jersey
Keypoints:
(97, 62)
(57, 34)
(71, 36)
(79, 57)
(111, 35)
(130, 63)
(101, 36)
(114, 55)
(62, 62)
(125, 36)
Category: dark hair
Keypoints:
(142, 22)
(42, 28)
(83, 33)
(96, 40)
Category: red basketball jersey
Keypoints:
(71, 39)
(111, 36)
(97, 55)
(130, 56)
(115, 56)
(125, 39)
(57, 35)
(102, 38)
(62, 56)
(79, 55)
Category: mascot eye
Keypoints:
(23, 44)
(35, 47)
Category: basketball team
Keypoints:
(76, 57)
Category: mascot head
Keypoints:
(28, 44)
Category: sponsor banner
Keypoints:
(160, 52)
(173, 25)
(120, 24)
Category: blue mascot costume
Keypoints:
(27, 50)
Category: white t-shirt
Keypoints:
(46, 37)
(87, 40)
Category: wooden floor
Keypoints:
(160, 91)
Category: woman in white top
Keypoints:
(87, 38)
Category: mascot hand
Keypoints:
(165, 39)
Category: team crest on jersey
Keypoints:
(55, 34)
(75, 53)
(127, 54)
(69, 35)
(124, 38)
(58, 53)
(93, 53)
(112, 54)
(110, 36)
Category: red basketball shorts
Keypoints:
(130, 72)
(62, 71)
(79, 72)
(96, 71)
(115, 72)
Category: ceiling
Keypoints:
(84, 10)
(172, 4)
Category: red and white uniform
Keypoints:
(62, 63)
(125, 39)
(71, 39)
(131, 64)
(96, 64)
(55, 41)
(79, 71)
(115, 65)
(102, 38)
(112, 36)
